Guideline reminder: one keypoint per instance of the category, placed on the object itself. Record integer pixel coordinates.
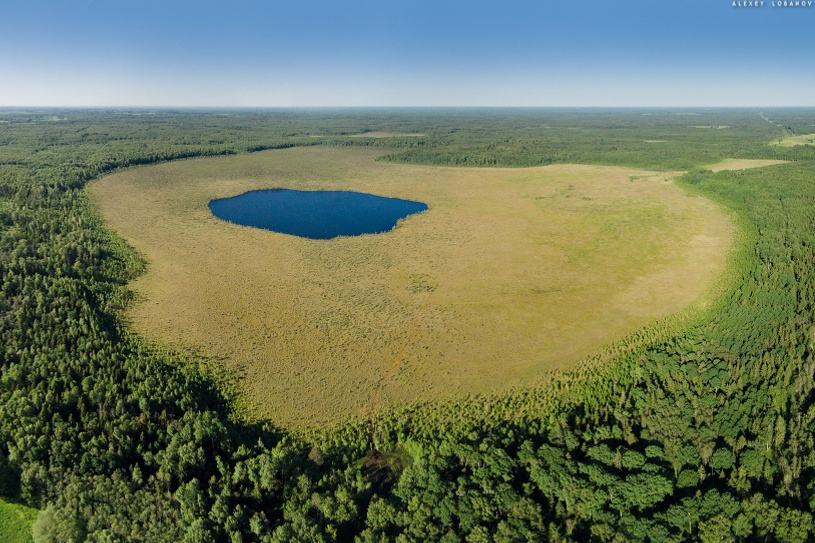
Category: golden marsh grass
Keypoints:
(743, 164)
(383, 134)
(510, 273)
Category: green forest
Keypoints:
(699, 431)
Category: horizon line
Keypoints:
(217, 107)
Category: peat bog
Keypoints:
(323, 332)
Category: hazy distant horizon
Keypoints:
(321, 54)
(158, 108)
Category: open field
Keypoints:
(792, 141)
(509, 274)
(742, 164)
(383, 134)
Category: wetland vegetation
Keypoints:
(424, 312)
(691, 428)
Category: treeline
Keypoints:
(699, 429)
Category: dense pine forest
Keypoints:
(695, 431)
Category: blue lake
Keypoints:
(315, 214)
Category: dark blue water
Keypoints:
(315, 214)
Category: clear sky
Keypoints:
(405, 53)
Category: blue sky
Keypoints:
(404, 53)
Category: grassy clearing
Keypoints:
(742, 164)
(509, 274)
(792, 141)
(15, 522)
(383, 134)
